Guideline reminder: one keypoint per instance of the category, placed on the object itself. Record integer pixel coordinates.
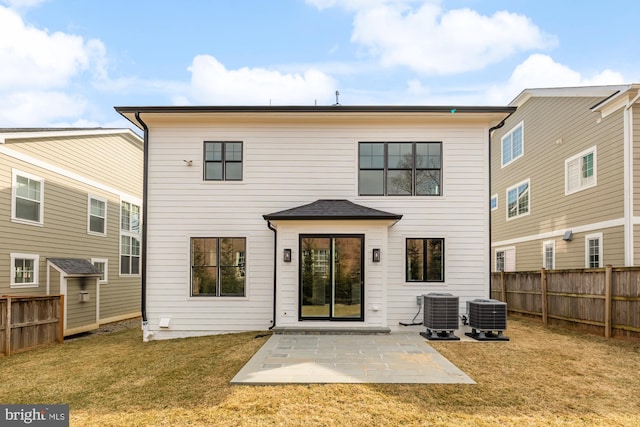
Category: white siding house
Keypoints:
(310, 217)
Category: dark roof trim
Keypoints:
(605, 100)
(317, 109)
(332, 209)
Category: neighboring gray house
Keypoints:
(295, 218)
(565, 174)
(71, 220)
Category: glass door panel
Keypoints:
(331, 279)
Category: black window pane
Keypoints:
(435, 271)
(428, 182)
(428, 155)
(231, 281)
(233, 171)
(371, 156)
(399, 182)
(213, 151)
(204, 281)
(371, 183)
(400, 156)
(213, 171)
(135, 265)
(233, 151)
(415, 260)
(125, 267)
(96, 224)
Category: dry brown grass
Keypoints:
(541, 377)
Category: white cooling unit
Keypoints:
(487, 319)
(440, 316)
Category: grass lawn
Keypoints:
(543, 376)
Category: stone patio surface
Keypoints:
(400, 358)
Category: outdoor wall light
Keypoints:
(286, 255)
(376, 254)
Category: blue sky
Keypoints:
(69, 62)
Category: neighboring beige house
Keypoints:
(301, 217)
(70, 220)
(565, 172)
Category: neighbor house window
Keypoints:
(505, 259)
(24, 270)
(580, 171)
(512, 145)
(425, 260)
(494, 202)
(549, 254)
(222, 161)
(400, 169)
(593, 250)
(97, 216)
(518, 200)
(129, 238)
(28, 198)
(103, 265)
(218, 266)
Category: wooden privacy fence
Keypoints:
(603, 300)
(27, 322)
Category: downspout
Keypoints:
(275, 266)
(628, 181)
(498, 126)
(146, 334)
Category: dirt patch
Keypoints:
(108, 328)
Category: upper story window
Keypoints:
(24, 270)
(97, 216)
(425, 260)
(28, 198)
(518, 200)
(400, 169)
(129, 238)
(580, 171)
(222, 161)
(512, 145)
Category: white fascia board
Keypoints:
(127, 133)
(580, 91)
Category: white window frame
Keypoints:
(494, 197)
(519, 215)
(100, 199)
(587, 239)
(36, 270)
(509, 262)
(583, 182)
(131, 234)
(104, 261)
(510, 135)
(552, 245)
(15, 174)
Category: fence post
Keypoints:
(607, 301)
(543, 295)
(503, 287)
(61, 320)
(7, 331)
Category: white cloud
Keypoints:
(213, 84)
(541, 71)
(22, 4)
(39, 108)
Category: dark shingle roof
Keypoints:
(332, 209)
(76, 266)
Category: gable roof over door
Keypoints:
(331, 209)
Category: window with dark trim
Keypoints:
(400, 169)
(425, 260)
(222, 161)
(218, 266)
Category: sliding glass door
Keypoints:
(331, 277)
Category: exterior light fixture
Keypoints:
(376, 254)
(286, 255)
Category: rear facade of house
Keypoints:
(565, 179)
(70, 220)
(297, 218)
